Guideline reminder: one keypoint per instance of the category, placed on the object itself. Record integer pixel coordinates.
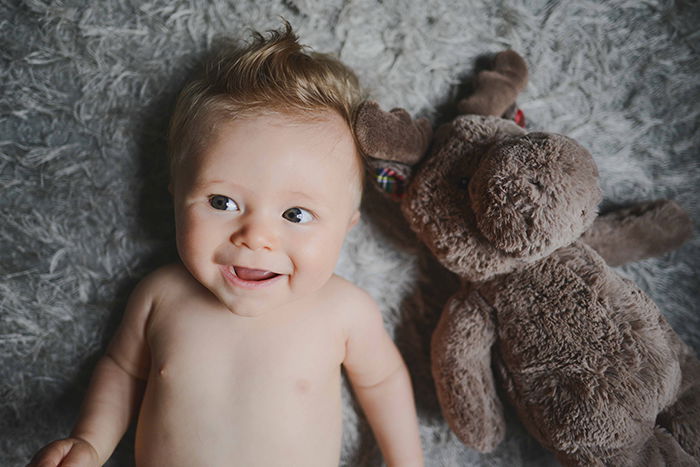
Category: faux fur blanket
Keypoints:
(86, 90)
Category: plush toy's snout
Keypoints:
(534, 193)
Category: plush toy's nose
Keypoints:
(534, 194)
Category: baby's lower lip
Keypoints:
(230, 275)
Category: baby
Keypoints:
(233, 358)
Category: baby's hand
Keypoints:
(72, 452)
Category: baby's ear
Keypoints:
(354, 219)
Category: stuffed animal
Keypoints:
(590, 365)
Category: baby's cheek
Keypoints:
(194, 240)
(318, 257)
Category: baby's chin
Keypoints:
(254, 303)
(251, 306)
(267, 303)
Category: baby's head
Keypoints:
(272, 75)
(265, 173)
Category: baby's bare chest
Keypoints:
(238, 388)
(196, 346)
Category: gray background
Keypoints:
(86, 90)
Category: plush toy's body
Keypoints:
(589, 363)
(580, 353)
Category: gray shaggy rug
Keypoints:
(86, 90)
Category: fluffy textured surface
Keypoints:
(86, 89)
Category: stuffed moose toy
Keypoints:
(592, 368)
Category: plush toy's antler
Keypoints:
(497, 87)
(395, 136)
(392, 136)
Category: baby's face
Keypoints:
(262, 213)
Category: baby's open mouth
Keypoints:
(250, 278)
(256, 275)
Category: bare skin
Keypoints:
(233, 358)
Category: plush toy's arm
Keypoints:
(461, 364)
(640, 231)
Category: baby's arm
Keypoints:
(114, 393)
(382, 386)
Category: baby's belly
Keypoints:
(262, 420)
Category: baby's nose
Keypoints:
(255, 235)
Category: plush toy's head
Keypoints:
(489, 197)
(492, 197)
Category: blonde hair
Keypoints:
(271, 74)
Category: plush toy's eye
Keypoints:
(223, 203)
(463, 183)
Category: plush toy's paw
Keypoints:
(393, 135)
(461, 366)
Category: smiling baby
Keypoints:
(233, 356)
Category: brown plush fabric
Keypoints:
(583, 355)
(640, 231)
(498, 87)
(392, 136)
(441, 184)
(589, 363)
(533, 193)
(462, 373)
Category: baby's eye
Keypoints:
(297, 215)
(223, 203)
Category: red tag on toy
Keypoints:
(519, 118)
(391, 182)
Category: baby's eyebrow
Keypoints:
(296, 193)
(206, 183)
(213, 182)
(302, 194)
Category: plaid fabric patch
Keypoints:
(391, 182)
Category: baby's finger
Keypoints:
(79, 456)
(51, 455)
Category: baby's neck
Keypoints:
(250, 313)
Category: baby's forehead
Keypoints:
(324, 127)
(322, 144)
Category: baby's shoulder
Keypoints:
(166, 280)
(344, 291)
(167, 274)
(352, 303)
